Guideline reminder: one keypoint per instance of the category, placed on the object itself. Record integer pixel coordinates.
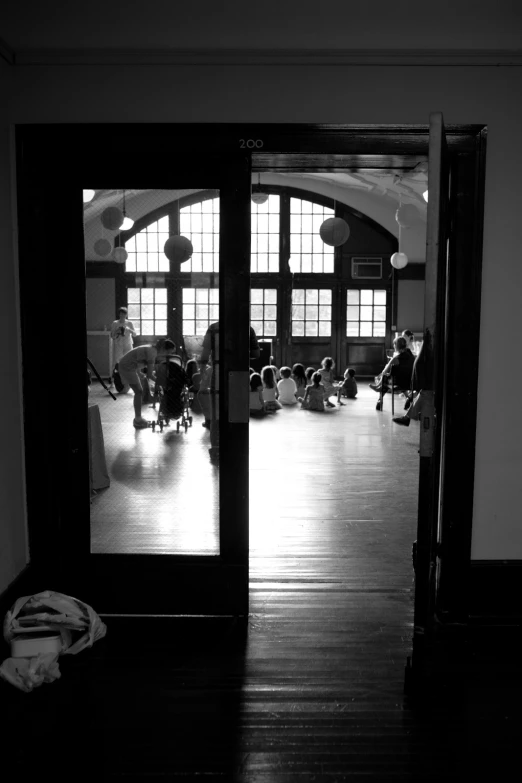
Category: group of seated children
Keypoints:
(271, 389)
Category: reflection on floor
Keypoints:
(330, 494)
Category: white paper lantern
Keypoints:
(334, 232)
(102, 247)
(259, 198)
(178, 249)
(399, 260)
(120, 255)
(112, 218)
(407, 216)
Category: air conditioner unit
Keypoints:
(367, 268)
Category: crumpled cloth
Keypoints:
(28, 673)
(55, 612)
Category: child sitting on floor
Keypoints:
(270, 393)
(313, 399)
(348, 388)
(286, 387)
(308, 373)
(326, 372)
(299, 377)
(257, 404)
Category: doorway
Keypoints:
(197, 584)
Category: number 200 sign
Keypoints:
(250, 143)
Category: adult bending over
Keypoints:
(144, 356)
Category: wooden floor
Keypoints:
(311, 687)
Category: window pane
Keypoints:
(273, 262)
(312, 296)
(325, 312)
(161, 295)
(213, 295)
(298, 295)
(325, 329)
(257, 327)
(352, 296)
(298, 312)
(298, 328)
(147, 327)
(270, 295)
(328, 266)
(201, 327)
(366, 296)
(189, 295)
(147, 311)
(366, 329)
(352, 329)
(256, 311)
(306, 263)
(270, 312)
(161, 312)
(270, 328)
(379, 297)
(188, 327)
(189, 311)
(202, 295)
(379, 330)
(161, 328)
(214, 313)
(317, 264)
(325, 296)
(311, 313)
(256, 295)
(311, 329)
(201, 312)
(352, 313)
(379, 314)
(134, 312)
(366, 313)
(147, 295)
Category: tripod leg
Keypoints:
(93, 368)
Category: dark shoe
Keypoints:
(206, 424)
(402, 420)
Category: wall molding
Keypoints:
(277, 57)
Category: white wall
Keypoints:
(355, 95)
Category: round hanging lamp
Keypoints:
(178, 248)
(334, 231)
(399, 260)
(112, 218)
(259, 198)
(102, 247)
(407, 216)
(120, 255)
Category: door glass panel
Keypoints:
(149, 442)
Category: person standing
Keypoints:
(122, 332)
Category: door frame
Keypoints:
(287, 148)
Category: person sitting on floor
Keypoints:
(257, 404)
(299, 378)
(326, 371)
(270, 393)
(348, 388)
(308, 373)
(286, 387)
(314, 397)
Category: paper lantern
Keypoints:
(334, 231)
(178, 249)
(112, 218)
(399, 260)
(120, 255)
(407, 216)
(259, 198)
(102, 247)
